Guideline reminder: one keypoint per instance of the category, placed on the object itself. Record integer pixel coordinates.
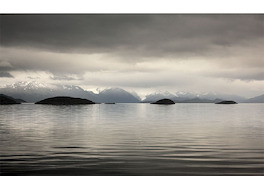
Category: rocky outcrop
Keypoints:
(226, 102)
(65, 101)
(164, 102)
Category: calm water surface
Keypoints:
(132, 139)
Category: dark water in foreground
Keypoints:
(132, 139)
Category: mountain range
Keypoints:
(258, 99)
(5, 100)
(34, 91)
(190, 97)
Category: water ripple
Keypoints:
(133, 140)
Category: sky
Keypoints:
(144, 53)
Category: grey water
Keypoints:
(132, 139)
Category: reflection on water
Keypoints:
(132, 139)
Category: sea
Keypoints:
(134, 139)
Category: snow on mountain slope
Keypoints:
(34, 91)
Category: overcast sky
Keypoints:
(142, 53)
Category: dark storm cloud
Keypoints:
(5, 74)
(64, 32)
(144, 35)
(231, 45)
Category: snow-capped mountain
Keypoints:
(159, 95)
(212, 96)
(257, 99)
(192, 97)
(27, 85)
(34, 91)
(117, 95)
(186, 95)
(28, 91)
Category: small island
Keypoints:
(226, 102)
(65, 101)
(164, 102)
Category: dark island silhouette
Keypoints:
(6, 100)
(226, 102)
(164, 102)
(65, 101)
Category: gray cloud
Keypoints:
(5, 74)
(246, 75)
(65, 77)
(5, 66)
(63, 32)
(140, 51)
(32, 77)
(132, 35)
